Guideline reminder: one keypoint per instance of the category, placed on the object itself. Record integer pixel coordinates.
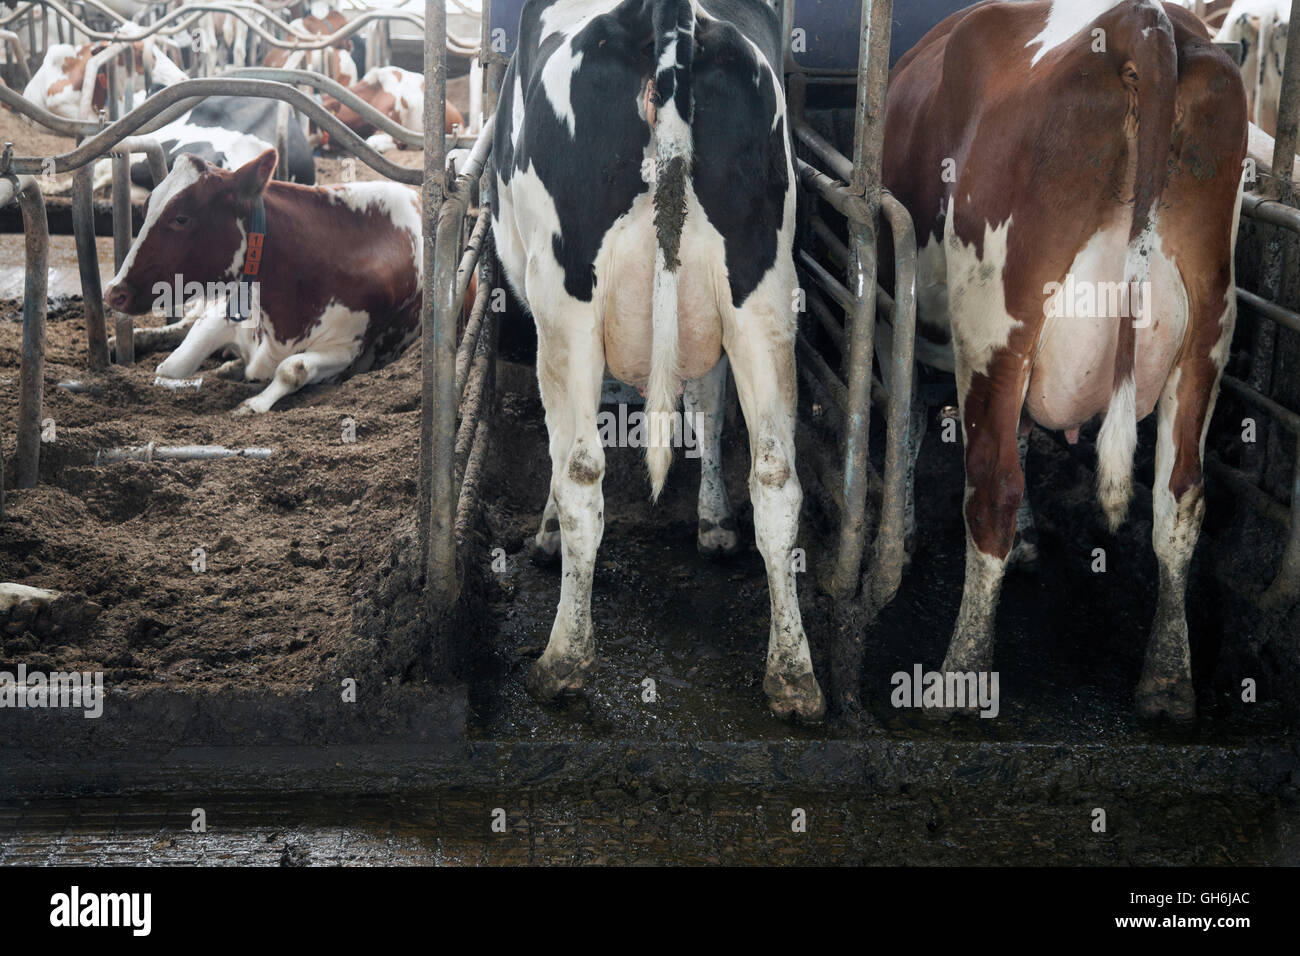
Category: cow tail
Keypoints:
(674, 32)
(1150, 76)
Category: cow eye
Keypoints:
(182, 220)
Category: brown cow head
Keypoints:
(194, 228)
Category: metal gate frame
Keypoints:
(458, 377)
(1275, 205)
(852, 188)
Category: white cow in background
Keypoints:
(1260, 26)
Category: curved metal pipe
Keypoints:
(109, 136)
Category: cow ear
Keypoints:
(252, 177)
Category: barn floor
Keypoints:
(704, 772)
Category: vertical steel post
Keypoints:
(32, 374)
(438, 337)
(1288, 116)
(868, 143)
(124, 325)
(92, 294)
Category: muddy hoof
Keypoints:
(801, 697)
(942, 715)
(1175, 699)
(548, 681)
(716, 542)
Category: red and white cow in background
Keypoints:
(59, 84)
(338, 277)
(334, 61)
(398, 94)
(1046, 146)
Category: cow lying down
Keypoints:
(331, 282)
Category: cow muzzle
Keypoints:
(121, 297)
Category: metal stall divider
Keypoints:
(1277, 207)
(853, 189)
(458, 367)
(32, 371)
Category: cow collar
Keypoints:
(237, 308)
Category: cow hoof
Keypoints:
(547, 681)
(246, 408)
(717, 540)
(801, 697)
(1175, 699)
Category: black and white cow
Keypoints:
(231, 131)
(646, 216)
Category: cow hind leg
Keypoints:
(570, 367)
(703, 400)
(1178, 504)
(1024, 553)
(994, 489)
(545, 548)
(294, 373)
(762, 360)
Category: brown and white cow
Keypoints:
(59, 85)
(397, 93)
(334, 61)
(1047, 150)
(336, 272)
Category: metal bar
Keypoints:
(828, 321)
(472, 408)
(1286, 586)
(124, 325)
(121, 206)
(469, 341)
(824, 374)
(469, 489)
(833, 287)
(472, 248)
(438, 323)
(1270, 210)
(873, 77)
(153, 152)
(32, 373)
(108, 137)
(92, 295)
(1288, 115)
(887, 568)
(836, 250)
(1239, 483)
(1270, 310)
(1287, 418)
(836, 162)
(282, 117)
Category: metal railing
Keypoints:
(1247, 482)
(852, 189)
(31, 385)
(1275, 206)
(458, 366)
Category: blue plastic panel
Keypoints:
(831, 31)
(505, 18)
(830, 28)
